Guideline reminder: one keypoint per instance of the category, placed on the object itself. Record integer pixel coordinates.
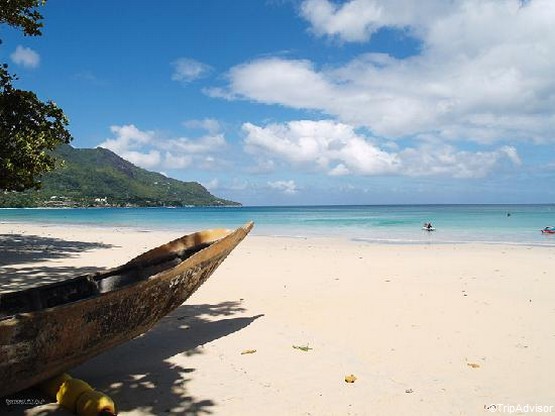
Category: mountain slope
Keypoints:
(99, 177)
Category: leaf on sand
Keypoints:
(248, 352)
(473, 365)
(304, 348)
(350, 379)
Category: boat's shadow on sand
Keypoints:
(138, 374)
(19, 248)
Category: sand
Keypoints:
(425, 329)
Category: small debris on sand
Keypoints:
(304, 348)
(350, 379)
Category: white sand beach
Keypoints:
(426, 329)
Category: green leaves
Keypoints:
(22, 14)
(29, 128)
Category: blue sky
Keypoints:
(295, 102)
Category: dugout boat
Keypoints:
(46, 330)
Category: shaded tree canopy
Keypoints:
(29, 128)
(22, 14)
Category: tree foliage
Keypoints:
(29, 128)
(22, 14)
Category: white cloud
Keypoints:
(484, 72)
(358, 20)
(204, 144)
(132, 144)
(25, 57)
(187, 70)
(178, 161)
(319, 144)
(262, 165)
(239, 185)
(148, 160)
(212, 126)
(213, 185)
(128, 137)
(287, 187)
(151, 150)
(339, 170)
(280, 81)
(335, 148)
(443, 160)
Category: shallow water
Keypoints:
(512, 224)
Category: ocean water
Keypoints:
(510, 224)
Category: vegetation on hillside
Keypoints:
(99, 177)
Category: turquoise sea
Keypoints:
(512, 224)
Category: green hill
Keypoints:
(99, 177)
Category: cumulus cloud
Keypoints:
(213, 185)
(210, 125)
(214, 143)
(318, 144)
(337, 149)
(128, 137)
(444, 160)
(358, 20)
(131, 144)
(279, 81)
(25, 57)
(147, 160)
(484, 72)
(287, 187)
(262, 165)
(187, 70)
(177, 161)
(151, 150)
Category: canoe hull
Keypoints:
(38, 345)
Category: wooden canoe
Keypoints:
(49, 329)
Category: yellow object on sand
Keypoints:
(52, 385)
(91, 403)
(70, 391)
(77, 396)
(350, 379)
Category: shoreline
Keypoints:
(426, 329)
(547, 242)
(455, 224)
